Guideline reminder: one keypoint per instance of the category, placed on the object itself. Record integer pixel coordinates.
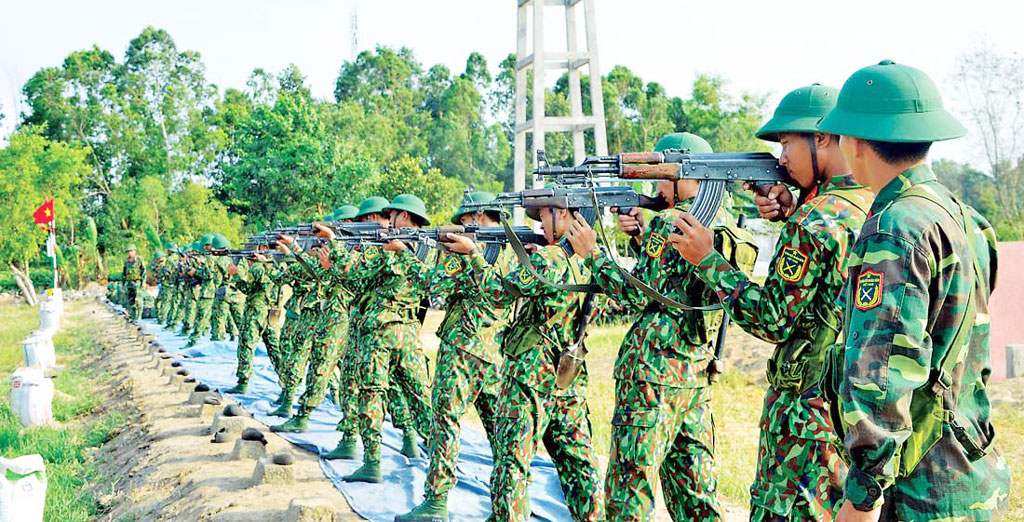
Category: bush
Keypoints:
(41, 277)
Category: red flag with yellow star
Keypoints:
(44, 214)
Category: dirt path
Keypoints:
(162, 465)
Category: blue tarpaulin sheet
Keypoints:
(213, 363)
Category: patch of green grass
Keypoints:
(1009, 423)
(64, 446)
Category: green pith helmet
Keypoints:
(372, 205)
(129, 248)
(410, 204)
(893, 103)
(328, 217)
(220, 242)
(207, 239)
(345, 212)
(683, 140)
(800, 111)
(477, 197)
(168, 245)
(160, 254)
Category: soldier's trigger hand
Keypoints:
(632, 223)
(285, 240)
(774, 202)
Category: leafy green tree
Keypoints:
(407, 175)
(32, 169)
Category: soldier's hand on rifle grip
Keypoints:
(261, 258)
(581, 235)
(232, 269)
(285, 241)
(323, 231)
(631, 224)
(774, 202)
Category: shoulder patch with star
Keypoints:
(453, 265)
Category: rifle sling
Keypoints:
(524, 260)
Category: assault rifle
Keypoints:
(713, 170)
(493, 238)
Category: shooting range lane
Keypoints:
(213, 363)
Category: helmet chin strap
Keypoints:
(816, 171)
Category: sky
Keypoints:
(759, 46)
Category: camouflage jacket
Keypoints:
(795, 308)
(167, 272)
(910, 280)
(669, 346)
(208, 275)
(134, 271)
(306, 290)
(256, 280)
(471, 322)
(386, 294)
(335, 298)
(542, 325)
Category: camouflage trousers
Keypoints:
(526, 419)
(800, 473)
(227, 314)
(204, 308)
(295, 343)
(176, 314)
(133, 302)
(347, 397)
(393, 360)
(325, 348)
(667, 433)
(461, 379)
(163, 300)
(254, 326)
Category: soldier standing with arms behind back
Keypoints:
(133, 275)
(799, 470)
(916, 358)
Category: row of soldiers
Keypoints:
(876, 302)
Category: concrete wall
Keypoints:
(1006, 308)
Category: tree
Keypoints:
(992, 85)
(33, 168)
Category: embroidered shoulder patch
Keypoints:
(453, 265)
(792, 264)
(655, 245)
(525, 277)
(869, 290)
(371, 252)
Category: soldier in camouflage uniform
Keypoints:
(228, 302)
(256, 278)
(299, 324)
(393, 357)
(663, 425)
(133, 276)
(916, 359)
(329, 321)
(208, 272)
(370, 210)
(468, 361)
(532, 409)
(799, 470)
(182, 281)
(168, 288)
